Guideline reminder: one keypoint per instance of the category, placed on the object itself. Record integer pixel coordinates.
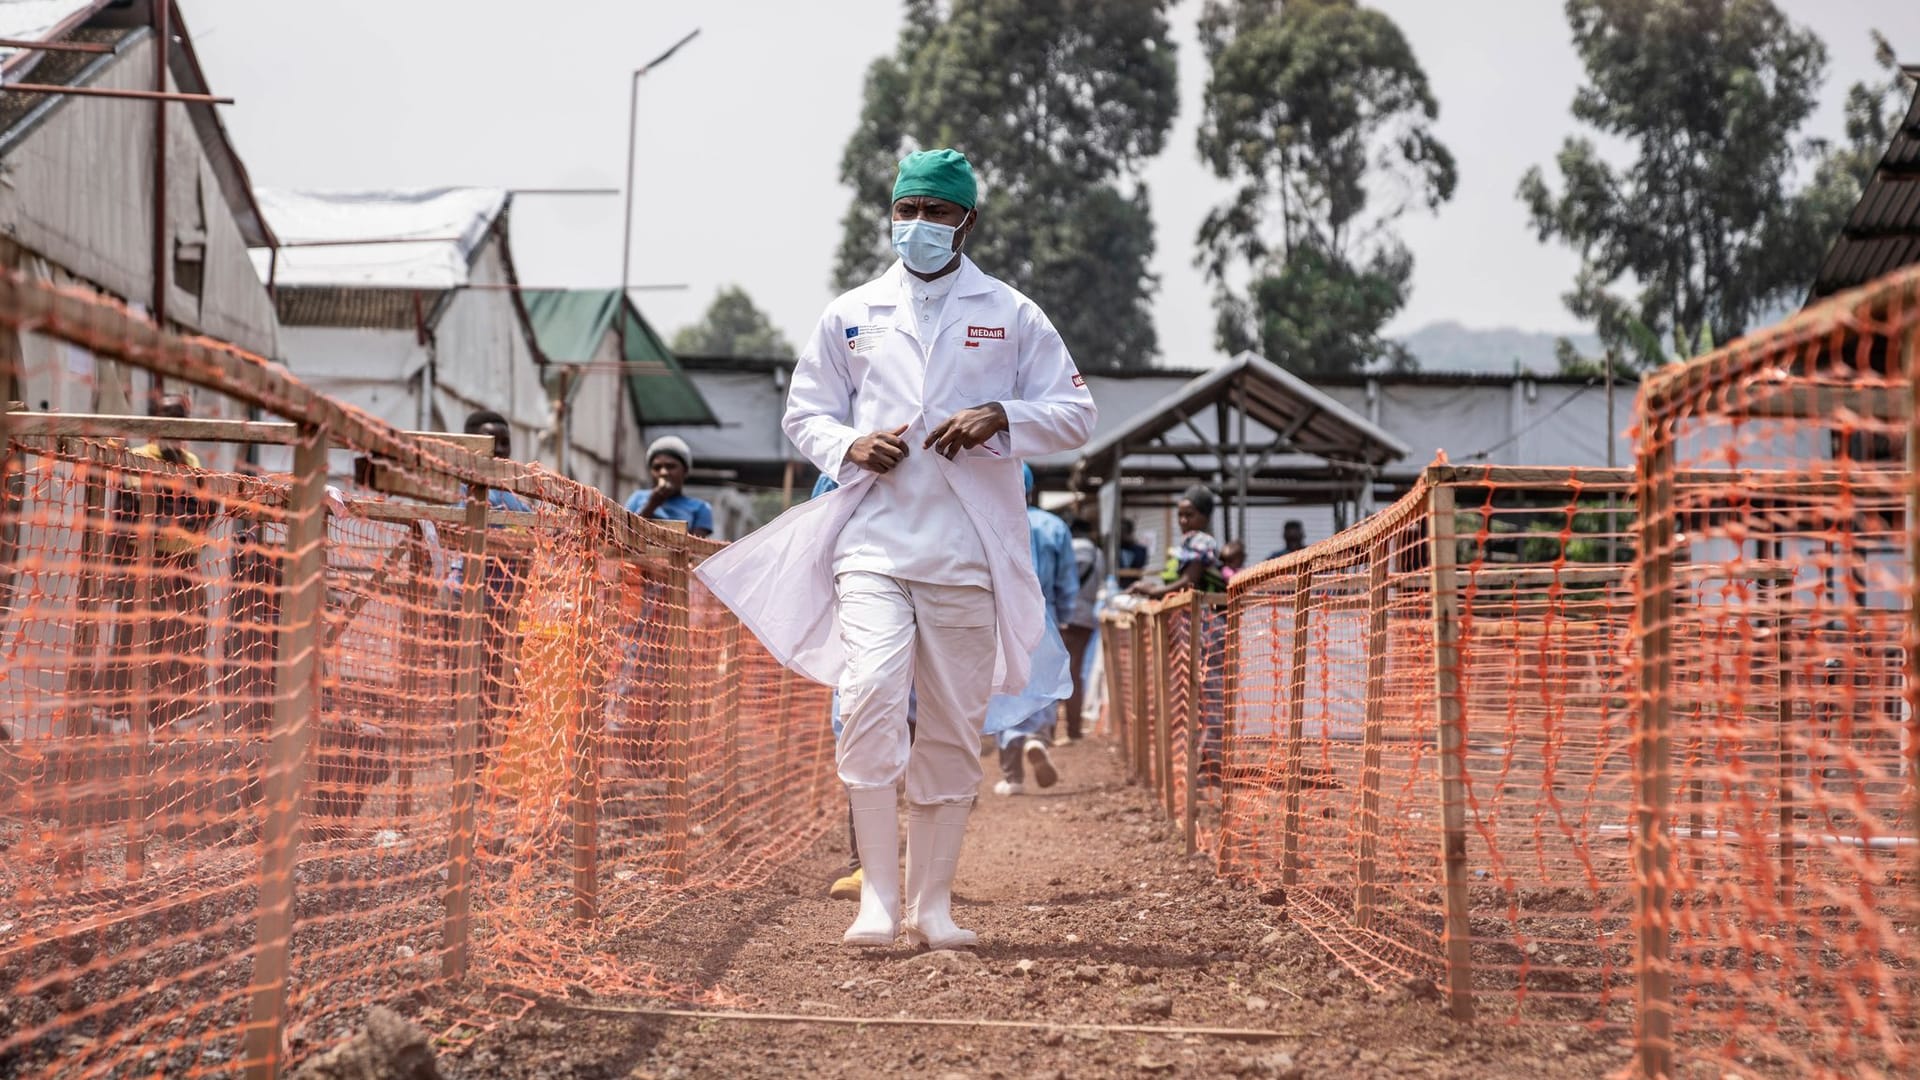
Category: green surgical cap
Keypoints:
(943, 174)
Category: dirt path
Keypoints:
(1088, 914)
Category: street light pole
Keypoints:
(633, 121)
(626, 248)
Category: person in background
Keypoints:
(1025, 743)
(668, 462)
(639, 730)
(1090, 570)
(505, 577)
(1132, 554)
(1233, 559)
(1293, 537)
(175, 651)
(1195, 564)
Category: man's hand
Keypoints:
(967, 429)
(880, 451)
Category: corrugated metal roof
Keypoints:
(1883, 232)
(569, 326)
(38, 20)
(373, 309)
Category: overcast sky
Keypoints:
(741, 132)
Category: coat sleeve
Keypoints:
(820, 402)
(1051, 410)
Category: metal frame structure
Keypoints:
(1303, 447)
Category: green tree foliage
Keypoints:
(1320, 114)
(1702, 225)
(733, 326)
(1058, 103)
(1874, 111)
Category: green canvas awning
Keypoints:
(569, 326)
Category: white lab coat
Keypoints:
(861, 373)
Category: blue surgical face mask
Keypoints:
(924, 246)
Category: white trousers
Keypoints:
(906, 637)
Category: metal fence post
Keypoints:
(1450, 704)
(295, 716)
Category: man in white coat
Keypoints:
(919, 393)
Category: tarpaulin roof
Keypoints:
(413, 239)
(569, 326)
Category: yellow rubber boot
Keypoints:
(847, 888)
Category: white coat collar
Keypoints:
(889, 288)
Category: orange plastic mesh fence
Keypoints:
(1630, 750)
(275, 750)
(1779, 840)
(1318, 739)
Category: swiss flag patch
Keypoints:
(1079, 379)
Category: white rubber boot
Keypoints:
(934, 836)
(876, 831)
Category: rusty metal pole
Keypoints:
(163, 40)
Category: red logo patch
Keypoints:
(1079, 379)
(970, 344)
(995, 333)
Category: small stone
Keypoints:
(1419, 989)
(1531, 948)
(1274, 897)
(1257, 1003)
(403, 952)
(1025, 967)
(951, 961)
(849, 984)
(1073, 939)
(1560, 1048)
(1053, 1037)
(1273, 939)
(1154, 1005)
(1086, 973)
(1149, 1063)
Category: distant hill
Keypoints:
(1449, 346)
